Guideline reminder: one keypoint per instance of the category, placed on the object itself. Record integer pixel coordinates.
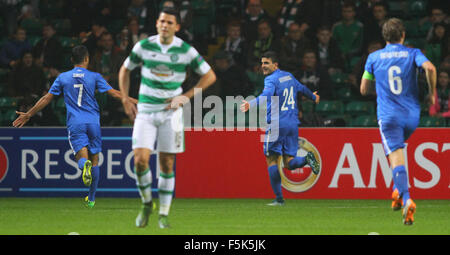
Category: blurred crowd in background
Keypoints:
(323, 43)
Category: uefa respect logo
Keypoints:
(3, 164)
(301, 179)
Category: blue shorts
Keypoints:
(395, 131)
(85, 135)
(285, 144)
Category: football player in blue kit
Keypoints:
(394, 70)
(280, 93)
(83, 119)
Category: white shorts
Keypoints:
(166, 128)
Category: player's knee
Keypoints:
(141, 163)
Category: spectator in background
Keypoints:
(48, 50)
(130, 35)
(374, 23)
(254, 13)
(91, 38)
(291, 11)
(14, 48)
(438, 46)
(235, 44)
(231, 78)
(107, 59)
(138, 9)
(313, 76)
(292, 48)
(437, 15)
(348, 33)
(35, 85)
(355, 76)
(328, 52)
(266, 41)
(441, 108)
(256, 77)
(27, 76)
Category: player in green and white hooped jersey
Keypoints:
(158, 116)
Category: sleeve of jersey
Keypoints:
(102, 84)
(198, 64)
(419, 58)
(55, 89)
(306, 91)
(134, 59)
(269, 90)
(368, 69)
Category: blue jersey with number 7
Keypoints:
(78, 86)
(395, 70)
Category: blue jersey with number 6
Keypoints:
(78, 86)
(395, 70)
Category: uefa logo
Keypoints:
(300, 179)
(3, 164)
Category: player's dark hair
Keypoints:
(272, 55)
(79, 52)
(392, 30)
(172, 11)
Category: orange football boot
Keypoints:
(408, 212)
(397, 201)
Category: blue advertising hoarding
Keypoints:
(38, 162)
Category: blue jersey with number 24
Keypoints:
(395, 70)
(78, 86)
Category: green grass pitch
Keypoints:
(115, 216)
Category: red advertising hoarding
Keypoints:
(231, 164)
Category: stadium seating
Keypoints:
(62, 26)
(8, 103)
(356, 108)
(364, 121)
(307, 106)
(8, 117)
(329, 107)
(34, 39)
(429, 121)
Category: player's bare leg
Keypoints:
(144, 183)
(397, 161)
(166, 185)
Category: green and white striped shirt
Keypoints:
(163, 70)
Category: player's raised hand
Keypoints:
(176, 102)
(22, 119)
(244, 106)
(130, 108)
(317, 97)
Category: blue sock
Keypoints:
(93, 188)
(401, 182)
(297, 162)
(81, 163)
(275, 181)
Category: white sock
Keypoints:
(166, 185)
(144, 185)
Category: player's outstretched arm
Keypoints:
(431, 74)
(124, 86)
(24, 117)
(118, 95)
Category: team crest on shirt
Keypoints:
(300, 179)
(174, 57)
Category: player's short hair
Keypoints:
(392, 30)
(171, 11)
(79, 52)
(272, 55)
